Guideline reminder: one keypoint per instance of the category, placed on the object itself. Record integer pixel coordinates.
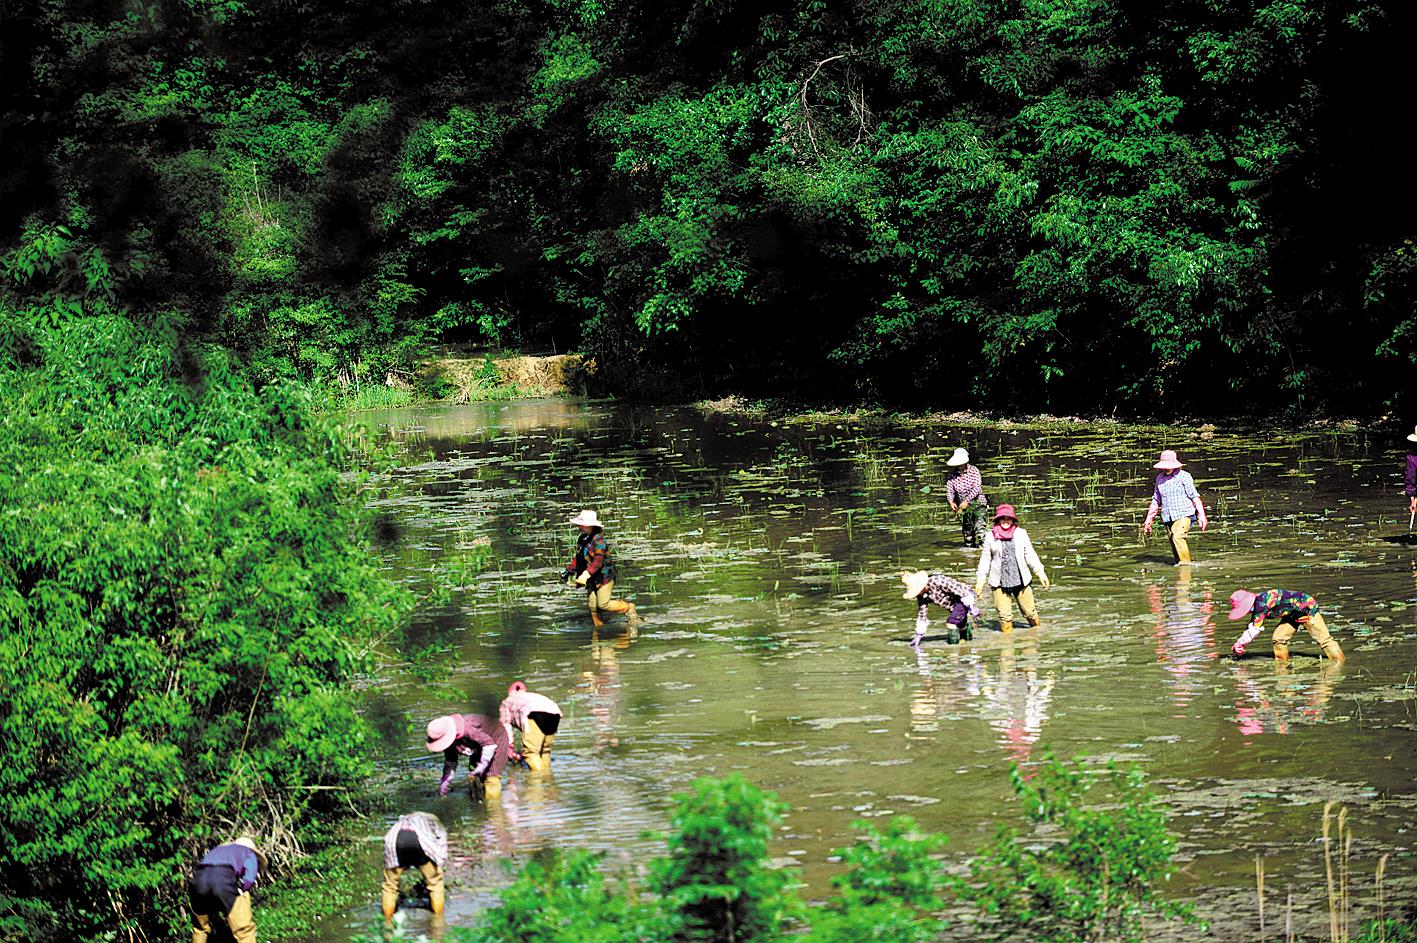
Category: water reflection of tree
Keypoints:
(1013, 695)
(1291, 697)
(1184, 639)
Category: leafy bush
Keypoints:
(185, 594)
(1093, 871)
(893, 891)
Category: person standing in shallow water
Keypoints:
(1409, 476)
(945, 592)
(1175, 498)
(1293, 609)
(537, 717)
(1004, 564)
(593, 568)
(965, 491)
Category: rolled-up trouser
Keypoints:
(1005, 598)
(238, 919)
(1177, 531)
(538, 732)
(598, 599)
(1318, 631)
(411, 855)
(432, 876)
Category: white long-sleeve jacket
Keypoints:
(991, 558)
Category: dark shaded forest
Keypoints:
(1093, 206)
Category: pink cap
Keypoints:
(1168, 461)
(1242, 603)
(1005, 510)
(441, 733)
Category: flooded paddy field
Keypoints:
(765, 558)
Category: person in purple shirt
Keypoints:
(1175, 498)
(483, 740)
(1410, 475)
(221, 888)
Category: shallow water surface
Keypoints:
(765, 557)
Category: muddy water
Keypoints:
(765, 558)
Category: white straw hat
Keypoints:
(586, 519)
(246, 841)
(960, 457)
(914, 583)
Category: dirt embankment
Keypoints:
(479, 378)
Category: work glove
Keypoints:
(979, 591)
(583, 578)
(445, 785)
(1237, 649)
(1047, 583)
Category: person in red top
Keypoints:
(593, 568)
(482, 740)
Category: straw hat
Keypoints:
(442, 732)
(586, 519)
(960, 457)
(1005, 510)
(1242, 603)
(1168, 461)
(914, 583)
(1413, 436)
(247, 841)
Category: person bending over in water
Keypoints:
(416, 840)
(537, 717)
(1291, 609)
(942, 591)
(593, 568)
(482, 740)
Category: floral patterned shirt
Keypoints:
(593, 557)
(1287, 605)
(942, 591)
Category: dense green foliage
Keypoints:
(1084, 204)
(185, 596)
(715, 882)
(1095, 877)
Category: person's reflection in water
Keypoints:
(599, 688)
(1296, 696)
(1185, 636)
(1017, 700)
(937, 698)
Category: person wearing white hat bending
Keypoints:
(965, 490)
(593, 568)
(1175, 498)
(945, 592)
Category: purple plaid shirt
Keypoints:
(1174, 494)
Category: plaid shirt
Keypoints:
(1173, 494)
(432, 838)
(965, 486)
(942, 591)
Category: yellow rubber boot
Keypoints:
(492, 788)
(536, 762)
(1332, 649)
(1006, 626)
(1281, 651)
(389, 893)
(1035, 621)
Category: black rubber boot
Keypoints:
(966, 632)
(951, 634)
